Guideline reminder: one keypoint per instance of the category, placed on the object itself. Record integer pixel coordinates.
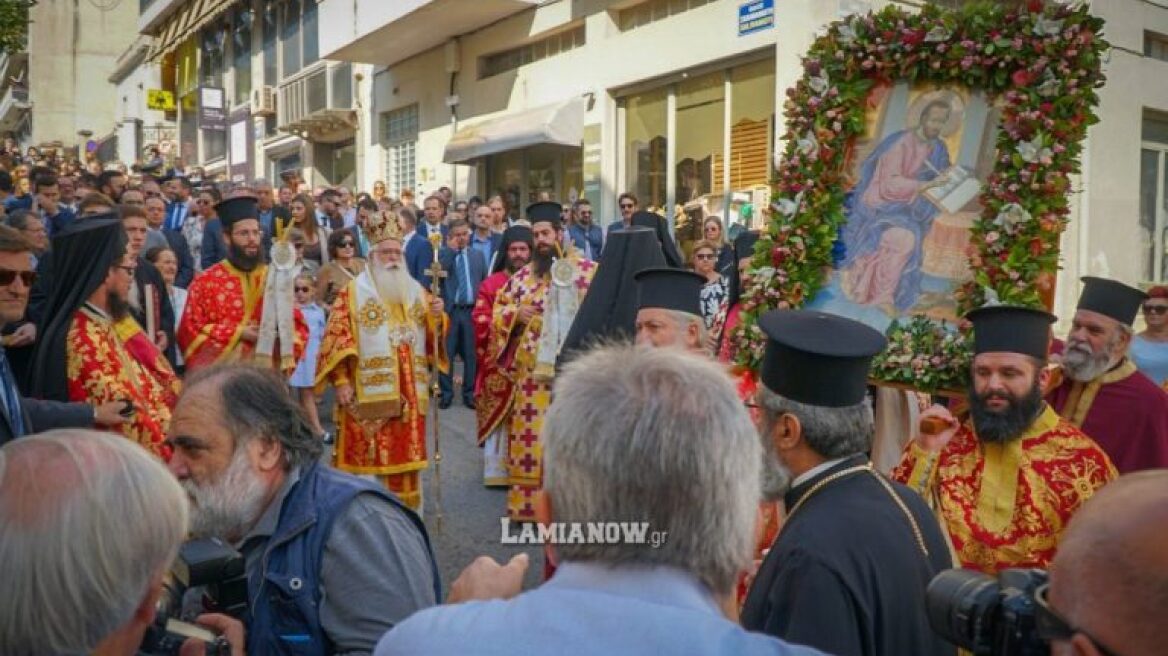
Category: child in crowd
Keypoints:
(304, 378)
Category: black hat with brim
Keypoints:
(670, 289)
(1111, 298)
(1011, 329)
(816, 358)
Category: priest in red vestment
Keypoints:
(226, 318)
(494, 391)
(1101, 391)
(90, 349)
(1006, 482)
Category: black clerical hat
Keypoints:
(670, 289)
(1011, 329)
(237, 209)
(545, 211)
(1111, 298)
(817, 358)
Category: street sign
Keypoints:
(212, 109)
(160, 99)
(756, 16)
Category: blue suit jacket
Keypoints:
(40, 416)
(478, 272)
(419, 254)
(593, 236)
(214, 248)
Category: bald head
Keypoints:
(1110, 575)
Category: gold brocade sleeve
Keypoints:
(504, 317)
(918, 469)
(337, 358)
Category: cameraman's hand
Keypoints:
(230, 628)
(486, 579)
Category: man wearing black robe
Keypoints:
(849, 569)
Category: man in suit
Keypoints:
(483, 239)
(629, 428)
(434, 213)
(271, 214)
(419, 251)
(161, 236)
(48, 197)
(627, 204)
(586, 235)
(177, 190)
(20, 416)
(465, 270)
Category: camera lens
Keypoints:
(960, 605)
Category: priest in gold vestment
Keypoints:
(385, 335)
(1006, 483)
(529, 324)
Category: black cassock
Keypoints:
(846, 574)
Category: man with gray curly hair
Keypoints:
(635, 436)
(849, 569)
(89, 525)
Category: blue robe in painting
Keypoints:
(867, 224)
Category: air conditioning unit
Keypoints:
(263, 101)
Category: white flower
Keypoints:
(762, 275)
(809, 145)
(937, 35)
(1047, 26)
(1049, 86)
(991, 297)
(788, 207)
(847, 34)
(1011, 215)
(1033, 151)
(819, 84)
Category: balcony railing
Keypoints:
(319, 98)
(13, 105)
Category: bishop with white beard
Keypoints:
(385, 335)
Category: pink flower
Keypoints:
(992, 236)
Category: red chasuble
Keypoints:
(101, 369)
(1123, 411)
(221, 302)
(494, 390)
(1006, 505)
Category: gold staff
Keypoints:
(436, 276)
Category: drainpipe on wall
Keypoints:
(359, 183)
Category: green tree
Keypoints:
(14, 24)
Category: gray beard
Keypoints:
(394, 285)
(231, 505)
(776, 477)
(1084, 366)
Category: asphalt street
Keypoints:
(469, 525)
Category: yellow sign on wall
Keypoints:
(160, 99)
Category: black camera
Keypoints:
(221, 572)
(987, 615)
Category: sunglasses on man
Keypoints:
(7, 276)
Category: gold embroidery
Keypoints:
(372, 315)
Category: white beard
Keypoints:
(1083, 365)
(228, 507)
(394, 285)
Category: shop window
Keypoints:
(1154, 196)
(701, 105)
(212, 58)
(646, 141)
(399, 139)
(290, 37)
(268, 43)
(509, 60)
(188, 127)
(752, 103)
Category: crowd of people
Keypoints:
(199, 326)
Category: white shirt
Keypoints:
(816, 470)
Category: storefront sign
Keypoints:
(240, 145)
(756, 16)
(212, 109)
(160, 100)
(591, 164)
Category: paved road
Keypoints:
(470, 512)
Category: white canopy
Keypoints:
(560, 124)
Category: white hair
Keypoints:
(88, 521)
(637, 434)
(683, 320)
(830, 432)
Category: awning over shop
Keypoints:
(186, 21)
(560, 124)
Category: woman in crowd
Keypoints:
(715, 291)
(378, 190)
(343, 266)
(196, 221)
(1149, 349)
(315, 236)
(167, 263)
(712, 232)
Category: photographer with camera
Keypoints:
(332, 561)
(1007, 481)
(89, 526)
